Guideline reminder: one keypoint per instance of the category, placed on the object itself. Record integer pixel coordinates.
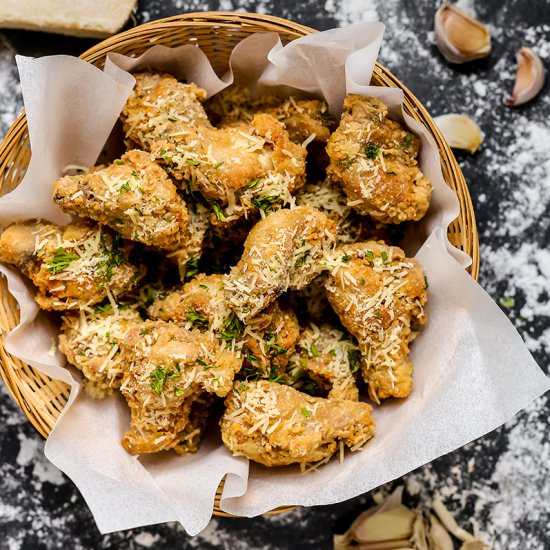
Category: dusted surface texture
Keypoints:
(501, 480)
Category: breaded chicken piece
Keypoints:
(375, 161)
(160, 107)
(91, 342)
(189, 440)
(379, 295)
(329, 359)
(270, 339)
(285, 251)
(237, 169)
(277, 425)
(73, 266)
(167, 368)
(134, 196)
(302, 117)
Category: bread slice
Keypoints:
(92, 18)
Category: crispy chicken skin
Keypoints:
(159, 107)
(277, 425)
(238, 168)
(379, 295)
(375, 161)
(73, 266)
(91, 342)
(167, 368)
(270, 338)
(329, 359)
(284, 251)
(189, 439)
(134, 196)
(302, 117)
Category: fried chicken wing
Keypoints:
(379, 295)
(375, 161)
(284, 251)
(329, 359)
(91, 342)
(302, 117)
(134, 196)
(73, 266)
(236, 168)
(277, 425)
(167, 367)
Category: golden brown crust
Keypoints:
(277, 425)
(134, 196)
(73, 266)
(379, 295)
(375, 161)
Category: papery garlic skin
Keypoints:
(460, 131)
(529, 78)
(460, 38)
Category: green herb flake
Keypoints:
(305, 412)
(407, 141)
(354, 360)
(369, 254)
(362, 280)
(233, 328)
(251, 358)
(267, 203)
(426, 282)
(204, 286)
(371, 151)
(218, 211)
(508, 302)
(172, 119)
(196, 318)
(391, 172)
(192, 162)
(253, 183)
(125, 187)
(219, 165)
(384, 256)
(314, 350)
(178, 391)
(346, 258)
(140, 190)
(119, 162)
(301, 261)
(346, 163)
(61, 260)
(135, 174)
(159, 377)
(191, 268)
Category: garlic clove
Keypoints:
(475, 544)
(460, 38)
(439, 536)
(449, 521)
(460, 131)
(529, 78)
(389, 525)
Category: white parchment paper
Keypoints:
(472, 370)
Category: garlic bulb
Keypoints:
(460, 38)
(529, 77)
(460, 131)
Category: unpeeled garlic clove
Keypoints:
(389, 525)
(529, 78)
(460, 131)
(439, 536)
(460, 38)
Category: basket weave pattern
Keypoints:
(41, 398)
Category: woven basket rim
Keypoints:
(219, 19)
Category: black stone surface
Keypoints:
(498, 484)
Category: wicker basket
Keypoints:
(42, 398)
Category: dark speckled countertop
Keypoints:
(498, 485)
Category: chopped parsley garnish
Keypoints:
(159, 377)
(384, 256)
(61, 260)
(371, 151)
(103, 308)
(172, 119)
(204, 286)
(426, 282)
(345, 163)
(301, 261)
(354, 358)
(204, 364)
(346, 258)
(135, 174)
(192, 162)
(250, 357)
(120, 221)
(362, 280)
(407, 141)
(267, 203)
(270, 339)
(119, 162)
(233, 328)
(164, 155)
(253, 183)
(191, 268)
(196, 318)
(507, 302)
(143, 331)
(218, 211)
(391, 172)
(141, 191)
(275, 376)
(369, 254)
(305, 412)
(314, 350)
(178, 391)
(377, 314)
(115, 257)
(219, 165)
(125, 187)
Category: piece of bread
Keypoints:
(92, 18)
